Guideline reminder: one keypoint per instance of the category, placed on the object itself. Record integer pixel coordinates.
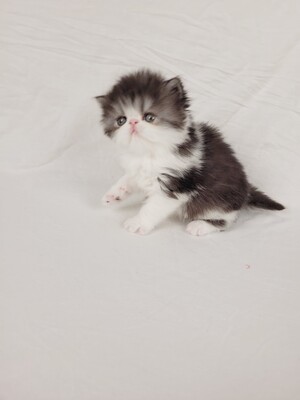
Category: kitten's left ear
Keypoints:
(174, 85)
(101, 100)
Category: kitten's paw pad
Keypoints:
(134, 225)
(124, 189)
(200, 228)
(110, 198)
(115, 195)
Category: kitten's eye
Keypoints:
(121, 121)
(149, 117)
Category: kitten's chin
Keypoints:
(139, 145)
(163, 136)
(145, 140)
(132, 143)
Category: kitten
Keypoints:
(180, 165)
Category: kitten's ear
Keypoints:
(174, 85)
(101, 100)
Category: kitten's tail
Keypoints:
(260, 200)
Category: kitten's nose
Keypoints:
(133, 121)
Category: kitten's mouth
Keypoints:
(133, 131)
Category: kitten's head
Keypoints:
(143, 109)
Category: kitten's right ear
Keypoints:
(101, 100)
(174, 85)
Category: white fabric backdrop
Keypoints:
(91, 312)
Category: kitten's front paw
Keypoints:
(135, 225)
(109, 198)
(115, 195)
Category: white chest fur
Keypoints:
(143, 171)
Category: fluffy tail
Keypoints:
(260, 200)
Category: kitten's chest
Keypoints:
(144, 171)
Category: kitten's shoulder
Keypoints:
(212, 139)
(209, 131)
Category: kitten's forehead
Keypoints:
(131, 111)
(139, 89)
(132, 106)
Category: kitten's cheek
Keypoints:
(122, 137)
(144, 133)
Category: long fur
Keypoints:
(173, 157)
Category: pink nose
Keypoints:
(133, 121)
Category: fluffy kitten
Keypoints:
(180, 165)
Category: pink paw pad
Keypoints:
(123, 189)
(109, 198)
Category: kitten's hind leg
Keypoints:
(211, 222)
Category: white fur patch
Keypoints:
(201, 228)
(144, 161)
(135, 225)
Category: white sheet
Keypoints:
(91, 312)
